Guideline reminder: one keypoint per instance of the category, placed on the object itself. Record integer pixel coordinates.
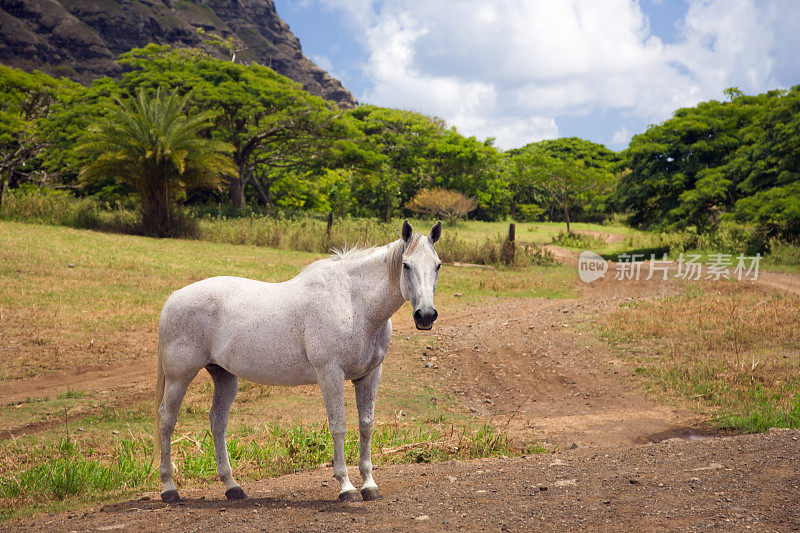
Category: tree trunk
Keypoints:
(566, 216)
(158, 216)
(237, 192)
(264, 190)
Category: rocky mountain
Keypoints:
(80, 38)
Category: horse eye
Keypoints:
(405, 266)
(438, 266)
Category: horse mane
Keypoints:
(394, 256)
(351, 252)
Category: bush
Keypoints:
(674, 241)
(570, 239)
(529, 213)
(783, 253)
(442, 203)
(736, 238)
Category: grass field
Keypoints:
(536, 232)
(724, 349)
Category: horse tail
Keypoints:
(159, 398)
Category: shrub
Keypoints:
(443, 203)
(529, 213)
(782, 252)
(570, 239)
(674, 241)
(735, 237)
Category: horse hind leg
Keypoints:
(226, 385)
(174, 391)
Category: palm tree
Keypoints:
(149, 143)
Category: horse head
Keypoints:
(420, 272)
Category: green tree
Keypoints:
(423, 153)
(268, 119)
(152, 145)
(597, 159)
(692, 168)
(26, 99)
(776, 210)
(566, 183)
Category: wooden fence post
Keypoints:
(509, 246)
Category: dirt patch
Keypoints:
(133, 377)
(734, 483)
(534, 366)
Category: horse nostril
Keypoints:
(417, 315)
(435, 315)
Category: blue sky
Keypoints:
(524, 70)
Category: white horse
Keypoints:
(329, 323)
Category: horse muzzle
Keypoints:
(424, 318)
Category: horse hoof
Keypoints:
(171, 496)
(349, 496)
(371, 494)
(235, 493)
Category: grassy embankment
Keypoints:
(75, 299)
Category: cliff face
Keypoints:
(81, 38)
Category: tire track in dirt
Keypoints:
(112, 387)
(120, 378)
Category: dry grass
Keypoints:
(75, 298)
(733, 349)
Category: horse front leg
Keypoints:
(366, 391)
(331, 383)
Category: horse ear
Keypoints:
(436, 231)
(406, 231)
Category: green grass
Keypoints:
(535, 232)
(71, 393)
(765, 410)
(45, 475)
(786, 260)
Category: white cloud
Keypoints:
(510, 69)
(621, 136)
